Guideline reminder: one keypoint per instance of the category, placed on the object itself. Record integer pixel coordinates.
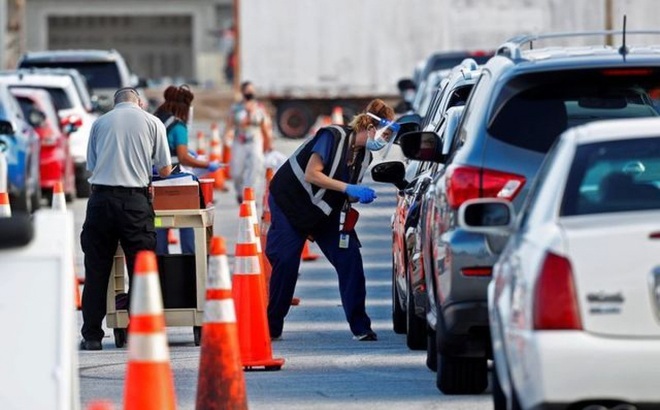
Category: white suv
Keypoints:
(105, 70)
(68, 101)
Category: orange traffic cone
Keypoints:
(171, 237)
(5, 208)
(308, 255)
(248, 291)
(263, 229)
(59, 201)
(248, 198)
(337, 116)
(100, 405)
(149, 382)
(226, 159)
(201, 144)
(216, 155)
(220, 384)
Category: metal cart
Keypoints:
(201, 220)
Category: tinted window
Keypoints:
(533, 109)
(614, 176)
(58, 95)
(97, 74)
(27, 105)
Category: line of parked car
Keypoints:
(524, 231)
(47, 107)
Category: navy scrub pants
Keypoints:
(284, 248)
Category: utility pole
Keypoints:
(609, 17)
(237, 45)
(4, 11)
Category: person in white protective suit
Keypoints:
(250, 126)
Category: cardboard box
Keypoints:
(176, 197)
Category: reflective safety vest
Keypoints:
(307, 206)
(170, 121)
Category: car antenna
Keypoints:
(623, 50)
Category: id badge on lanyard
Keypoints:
(344, 237)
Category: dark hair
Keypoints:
(244, 85)
(177, 101)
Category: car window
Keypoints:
(102, 74)
(533, 109)
(27, 105)
(614, 176)
(479, 94)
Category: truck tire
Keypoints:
(462, 375)
(431, 350)
(83, 189)
(294, 119)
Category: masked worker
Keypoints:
(310, 196)
(250, 128)
(174, 112)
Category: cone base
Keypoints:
(269, 365)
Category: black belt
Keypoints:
(119, 189)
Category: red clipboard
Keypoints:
(351, 219)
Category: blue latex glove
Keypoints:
(214, 166)
(363, 193)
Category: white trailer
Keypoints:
(310, 55)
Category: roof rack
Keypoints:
(512, 47)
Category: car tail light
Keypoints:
(465, 183)
(477, 271)
(555, 301)
(628, 72)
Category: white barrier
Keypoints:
(38, 352)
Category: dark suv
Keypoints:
(522, 102)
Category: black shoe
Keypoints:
(370, 336)
(91, 345)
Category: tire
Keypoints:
(431, 350)
(21, 203)
(197, 334)
(398, 315)
(461, 375)
(120, 337)
(83, 189)
(416, 326)
(294, 119)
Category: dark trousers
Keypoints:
(284, 248)
(113, 216)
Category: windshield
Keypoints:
(58, 95)
(97, 74)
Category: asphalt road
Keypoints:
(325, 368)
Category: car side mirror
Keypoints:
(422, 146)
(36, 118)
(486, 215)
(7, 128)
(393, 172)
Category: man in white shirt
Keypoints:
(124, 144)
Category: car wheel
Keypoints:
(461, 375)
(416, 326)
(398, 315)
(35, 199)
(83, 189)
(21, 203)
(431, 350)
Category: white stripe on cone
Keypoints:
(219, 311)
(150, 301)
(253, 219)
(247, 265)
(148, 348)
(59, 202)
(218, 263)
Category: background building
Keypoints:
(159, 39)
